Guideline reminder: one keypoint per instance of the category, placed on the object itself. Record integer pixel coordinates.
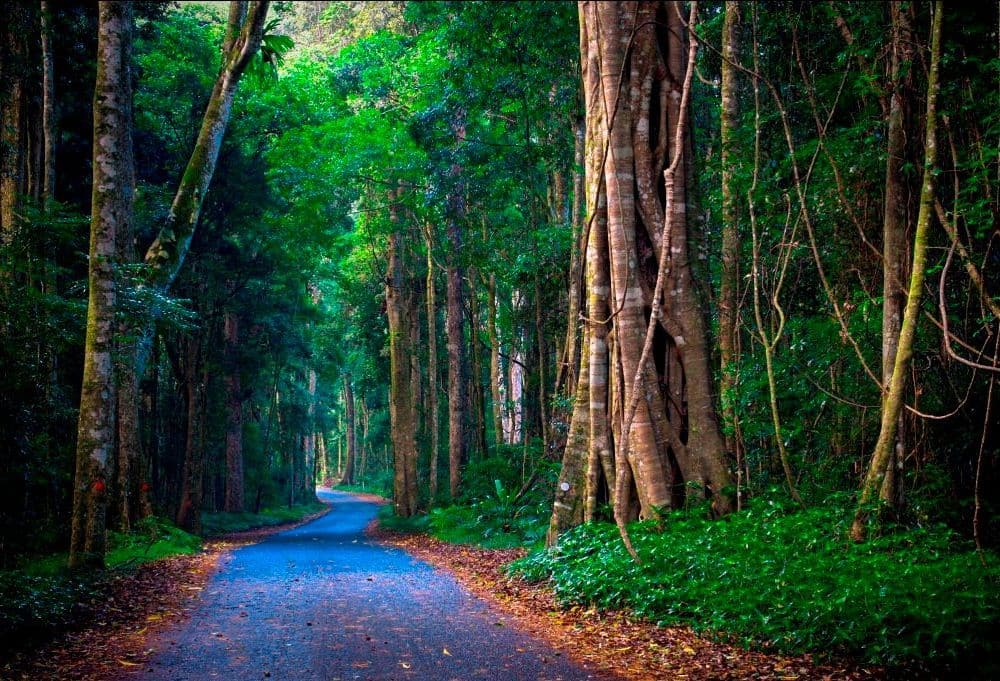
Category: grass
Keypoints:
(365, 489)
(215, 524)
(463, 525)
(788, 580)
(42, 596)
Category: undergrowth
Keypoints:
(788, 580)
(501, 506)
(42, 597)
(215, 524)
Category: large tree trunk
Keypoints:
(234, 416)
(432, 365)
(457, 379)
(729, 285)
(892, 403)
(13, 104)
(495, 393)
(350, 429)
(195, 379)
(476, 382)
(635, 57)
(398, 297)
(566, 373)
(644, 455)
(111, 212)
(48, 105)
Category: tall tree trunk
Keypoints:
(495, 371)
(111, 212)
(432, 364)
(322, 458)
(13, 104)
(476, 382)
(542, 360)
(457, 379)
(892, 403)
(730, 279)
(48, 104)
(234, 415)
(195, 379)
(566, 373)
(894, 220)
(398, 294)
(351, 455)
(643, 449)
(634, 57)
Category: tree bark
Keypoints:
(457, 379)
(48, 105)
(398, 294)
(234, 502)
(432, 365)
(13, 103)
(111, 212)
(351, 455)
(729, 284)
(894, 220)
(495, 393)
(195, 379)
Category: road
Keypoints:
(321, 601)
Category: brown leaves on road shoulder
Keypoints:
(614, 643)
(114, 642)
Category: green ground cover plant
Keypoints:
(789, 580)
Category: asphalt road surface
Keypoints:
(323, 602)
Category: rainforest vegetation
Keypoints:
(698, 301)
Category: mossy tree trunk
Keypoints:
(892, 403)
(111, 212)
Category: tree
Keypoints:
(111, 212)
(621, 42)
(892, 404)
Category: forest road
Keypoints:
(321, 601)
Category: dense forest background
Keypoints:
(417, 251)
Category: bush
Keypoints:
(214, 524)
(788, 580)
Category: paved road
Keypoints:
(322, 602)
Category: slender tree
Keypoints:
(892, 403)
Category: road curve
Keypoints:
(321, 601)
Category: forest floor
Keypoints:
(611, 642)
(130, 610)
(325, 601)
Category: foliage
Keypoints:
(787, 580)
(495, 510)
(41, 597)
(215, 524)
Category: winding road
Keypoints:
(321, 601)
